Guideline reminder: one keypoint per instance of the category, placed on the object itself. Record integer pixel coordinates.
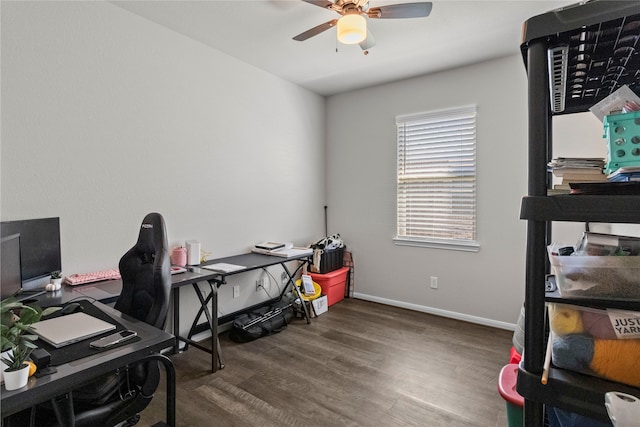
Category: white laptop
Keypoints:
(71, 328)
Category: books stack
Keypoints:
(577, 169)
(270, 246)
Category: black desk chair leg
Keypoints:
(65, 414)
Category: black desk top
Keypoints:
(107, 291)
(72, 375)
(253, 261)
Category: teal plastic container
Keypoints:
(623, 134)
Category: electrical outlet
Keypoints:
(261, 283)
(236, 291)
(434, 282)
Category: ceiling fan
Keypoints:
(352, 25)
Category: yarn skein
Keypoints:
(179, 256)
(598, 325)
(564, 320)
(572, 352)
(617, 360)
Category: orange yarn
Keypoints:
(617, 360)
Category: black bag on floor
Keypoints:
(262, 322)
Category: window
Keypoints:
(436, 189)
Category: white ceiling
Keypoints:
(260, 33)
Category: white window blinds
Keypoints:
(436, 188)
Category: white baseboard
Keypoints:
(415, 307)
(438, 312)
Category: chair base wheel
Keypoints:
(132, 421)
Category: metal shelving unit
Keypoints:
(575, 57)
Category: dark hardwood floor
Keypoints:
(359, 364)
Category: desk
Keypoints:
(250, 261)
(72, 375)
(108, 291)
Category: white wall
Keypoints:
(107, 116)
(577, 135)
(488, 286)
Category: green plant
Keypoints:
(16, 333)
(57, 274)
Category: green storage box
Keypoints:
(623, 134)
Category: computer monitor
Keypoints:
(11, 278)
(39, 248)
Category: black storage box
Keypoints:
(331, 260)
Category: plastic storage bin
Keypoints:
(331, 260)
(603, 343)
(507, 381)
(623, 134)
(333, 284)
(601, 277)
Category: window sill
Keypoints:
(466, 246)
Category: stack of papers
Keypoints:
(222, 267)
(577, 169)
(625, 174)
(560, 165)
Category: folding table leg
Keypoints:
(64, 415)
(295, 288)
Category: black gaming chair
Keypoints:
(146, 274)
(146, 285)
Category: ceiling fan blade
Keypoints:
(406, 10)
(320, 3)
(316, 30)
(369, 42)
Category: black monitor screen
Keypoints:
(39, 245)
(10, 257)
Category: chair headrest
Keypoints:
(152, 236)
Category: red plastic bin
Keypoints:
(507, 388)
(333, 284)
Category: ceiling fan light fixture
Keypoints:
(352, 29)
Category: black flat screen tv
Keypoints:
(39, 246)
